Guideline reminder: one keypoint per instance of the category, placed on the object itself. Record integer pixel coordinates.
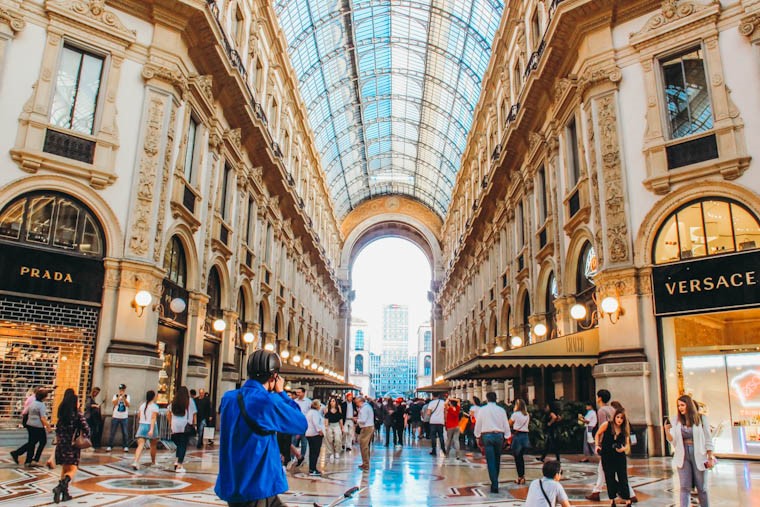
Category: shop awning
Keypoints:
(293, 373)
(577, 349)
(438, 387)
(341, 386)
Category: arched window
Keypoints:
(359, 340)
(214, 289)
(52, 220)
(584, 281)
(551, 311)
(710, 226)
(174, 262)
(359, 364)
(427, 366)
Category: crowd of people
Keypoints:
(268, 429)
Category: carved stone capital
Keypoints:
(12, 18)
(166, 74)
(748, 26)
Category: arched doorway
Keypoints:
(51, 256)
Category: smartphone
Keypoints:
(666, 421)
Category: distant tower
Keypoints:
(424, 355)
(359, 367)
(396, 374)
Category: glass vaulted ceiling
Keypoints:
(390, 88)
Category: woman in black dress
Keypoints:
(551, 423)
(612, 443)
(70, 423)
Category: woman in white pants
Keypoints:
(334, 432)
(693, 450)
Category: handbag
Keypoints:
(463, 422)
(190, 430)
(590, 437)
(80, 441)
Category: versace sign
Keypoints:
(46, 273)
(712, 283)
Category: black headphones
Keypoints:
(263, 362)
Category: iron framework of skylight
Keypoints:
(390, 89)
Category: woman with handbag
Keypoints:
(693, 450)
(73, 435)
(612, 444)
(520, 423)
(147, 430)
(181, 418)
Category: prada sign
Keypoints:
(712, 283)
(45, 273)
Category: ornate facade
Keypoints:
(177, 128)
(598, 121)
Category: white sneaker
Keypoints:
(135, 466)
(337, 456)
(126, 449)
(108, 449)
(180, 470)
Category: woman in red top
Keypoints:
(453, 411)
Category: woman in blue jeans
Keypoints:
(520, 423)
(181, 417)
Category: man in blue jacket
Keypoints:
(250, 470)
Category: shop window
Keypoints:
(707, 227)
(52, 220)
(551, 312)
(584, 282)
(214, 290)
(175, 264)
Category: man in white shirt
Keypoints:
(366, 422)
(304, 403)
(547, 488)
(120, 417)
(492, 427)
(437, 411)
(589, 420)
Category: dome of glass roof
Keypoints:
(390, 89)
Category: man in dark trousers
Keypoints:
(250, 470)
(203, 404)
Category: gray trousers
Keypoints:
(690, 477)
(452, 440)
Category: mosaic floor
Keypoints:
(408, 477)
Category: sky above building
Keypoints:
(388, 271)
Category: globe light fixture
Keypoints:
(285, 354)
(498, 349)
(516, 341)
(439, 378)
(142, 299)
(610, 304)
(540, 329)
(269, 347)
(578, 311)
(177, 305)
(321, 369)
(306, 362)
(219, 325)
(296, 359)
(248, 337)
(313, 366)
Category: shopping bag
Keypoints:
(590, 437)
(208, 433)
(634, 440)
(463, 422)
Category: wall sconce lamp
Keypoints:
(269, 347)
(142, 299)
(285, 354)
(248, 337)
(516, 341)
(306, 362)
(219, 325)
(439, 378)
(296, 359)
(498, 349)
(609, 306)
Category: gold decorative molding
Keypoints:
(12, 18)
(154, 70)
(671, 12)
(391, 204)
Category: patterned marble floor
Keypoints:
(408, 477)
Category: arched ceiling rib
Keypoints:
(390, 88)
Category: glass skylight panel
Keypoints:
(419, 73)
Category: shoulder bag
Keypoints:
(250, 422)
(541, 483)
(189, 426)
(80, 441)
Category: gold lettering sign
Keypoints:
(574, 344)
(45, 274)
(710, 283)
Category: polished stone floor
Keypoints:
(408, 477)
